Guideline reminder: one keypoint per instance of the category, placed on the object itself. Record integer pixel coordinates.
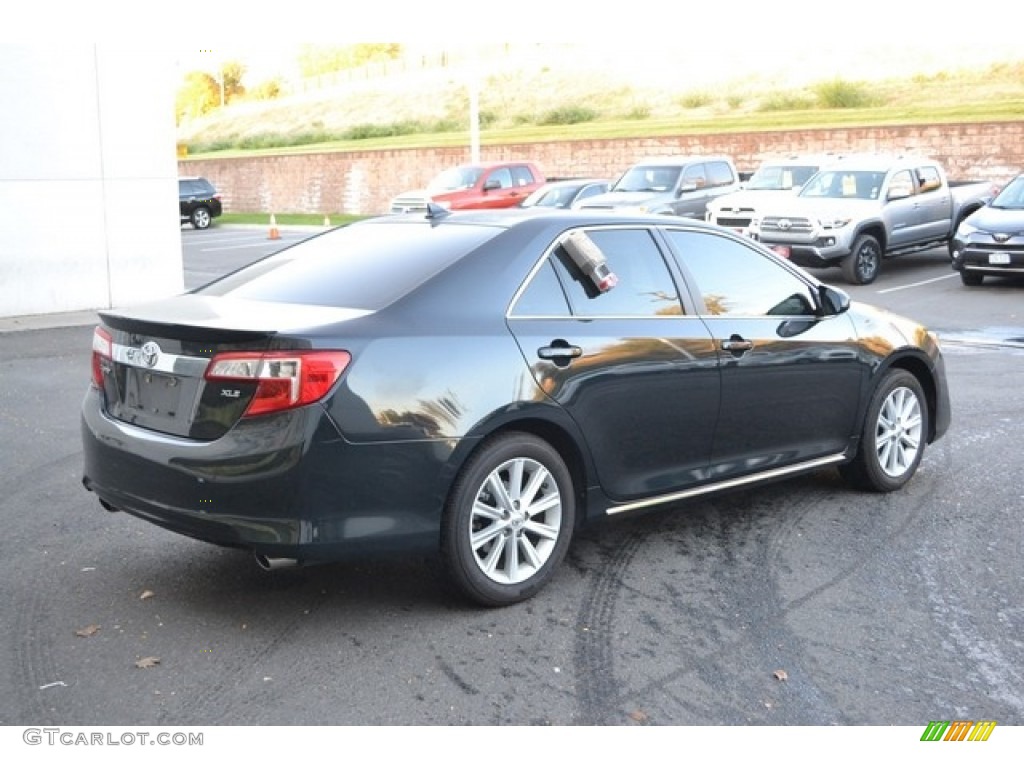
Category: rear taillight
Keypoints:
(283, 379)
(102, 355)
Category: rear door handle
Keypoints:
(737, 344)
(558, 351)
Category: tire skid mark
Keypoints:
(599, 695)
(220, 703)
(999, 676)
(36, 667)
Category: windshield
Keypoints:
(863, 185)
(550, 197)
(1011, 196)
(453, 179)
(648, 178)
(772, 177)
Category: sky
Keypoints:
(735, 37)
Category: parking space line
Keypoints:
(918, 284)
(260, 244)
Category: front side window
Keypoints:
(503, 176)
(736, 279)
(645, 287)
(695, 176)
(901, 184)
(719, 174)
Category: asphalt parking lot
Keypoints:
(801, 603)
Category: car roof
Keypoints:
(574, 183)
(874, 162)
(679, 159)
(825, 158)
(509, 218)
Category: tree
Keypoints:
(198, 95)
(231, 73)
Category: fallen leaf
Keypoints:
(89, 631)
(638, 716)
(780, 674)
(146, 663)
(147, 594)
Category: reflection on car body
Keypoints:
(457, 383)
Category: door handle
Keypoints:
(737, 344)
(559, 349)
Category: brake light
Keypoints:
(283, 379)
(102, 355)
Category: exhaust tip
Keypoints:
(275, 563)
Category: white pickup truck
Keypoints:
(864, 208)
(778, 177)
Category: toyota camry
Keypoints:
(481, 385)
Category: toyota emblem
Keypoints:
(150, 353)
(785, 224)
(1000, 237)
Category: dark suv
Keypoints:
(198, 201)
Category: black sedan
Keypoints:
(991, 240)
(484, 384)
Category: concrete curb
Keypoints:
(49, 321)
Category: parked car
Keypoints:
(991, 240)
(679, 186)
(865, 208)
(466, 187)
(198, 201)
(566, 192)
(773, 178)
(483, 384)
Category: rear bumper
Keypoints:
(285, 485)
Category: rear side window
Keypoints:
(521, 176)
(361, 266)
(645, 287)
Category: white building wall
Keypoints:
(88, 178)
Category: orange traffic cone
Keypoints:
(274, 234)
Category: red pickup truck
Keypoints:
(484, 185)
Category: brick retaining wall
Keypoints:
(364, 182)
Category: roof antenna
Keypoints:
(435, 211)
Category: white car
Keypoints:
(774, 178)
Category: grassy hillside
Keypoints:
(536, 100)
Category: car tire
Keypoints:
(893, 437)
(201, 217)
(864, 261)
(972, 279)
(508, 520)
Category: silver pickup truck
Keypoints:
(676, 185)
(862, 209)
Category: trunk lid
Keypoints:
(159, 353)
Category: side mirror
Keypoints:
(491, 184)
(688, 186)
(832, 300)
(898, 193)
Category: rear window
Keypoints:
(361, 266)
